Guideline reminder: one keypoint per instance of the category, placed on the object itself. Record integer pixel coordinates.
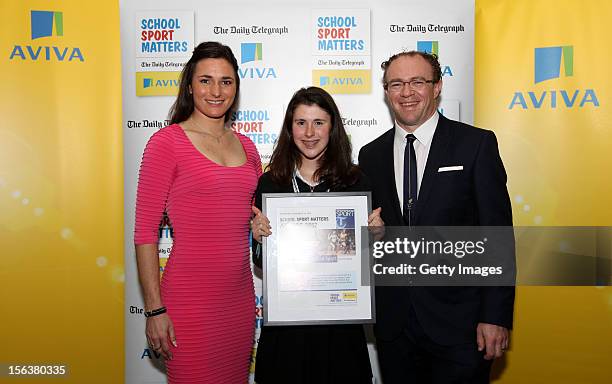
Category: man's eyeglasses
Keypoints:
(416, 84)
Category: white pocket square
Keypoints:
(453, 168)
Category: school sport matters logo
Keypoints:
(548, 62)
(433, 48)
(46, 24)
(41, 23)
(253, 53)
(255, 124)
(341, 50)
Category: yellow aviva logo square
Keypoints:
(157, 83)
(349, 296)
(343, 81)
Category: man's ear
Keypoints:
(437, 89)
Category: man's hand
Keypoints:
(493, 339)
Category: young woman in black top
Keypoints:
(312, 154)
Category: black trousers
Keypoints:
(413, 358)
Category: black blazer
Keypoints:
(476, 195)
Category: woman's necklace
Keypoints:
(217, 138)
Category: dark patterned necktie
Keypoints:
(410, 180)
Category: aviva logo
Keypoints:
(157, 83)
(253, 52)
(428, 46)
(548, 62)
(46, 24)
(41, 23)
(343, 81)
(250, 52)
(432, 47)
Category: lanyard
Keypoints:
(295, 186)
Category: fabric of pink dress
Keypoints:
(207, 284)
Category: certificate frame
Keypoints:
(316, 268)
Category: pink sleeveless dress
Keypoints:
(207, 284)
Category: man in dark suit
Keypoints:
(431, 171)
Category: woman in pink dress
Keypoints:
(203, 175)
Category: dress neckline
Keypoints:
(246, 155)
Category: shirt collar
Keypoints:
(424, 133)
(299, 176)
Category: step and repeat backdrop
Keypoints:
(280, 48)
(534, 72)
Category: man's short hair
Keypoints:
(431, 58)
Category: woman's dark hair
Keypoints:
(183, 106)
(335, 166)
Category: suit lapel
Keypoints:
(439, 146)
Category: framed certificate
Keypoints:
(315, 259)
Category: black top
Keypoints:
(304, 354)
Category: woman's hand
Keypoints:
(159, 330)
(376, 225)
(260, 225)
(160, 334)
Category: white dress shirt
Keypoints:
(421, 145)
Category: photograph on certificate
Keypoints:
(316, 249)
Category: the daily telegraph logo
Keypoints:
(136, 310)
(252, 123)
(166, 241)
(46, 24)
(253, 53)
(157, 83)
(548, 62)
(433, 47)
(350, 122)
